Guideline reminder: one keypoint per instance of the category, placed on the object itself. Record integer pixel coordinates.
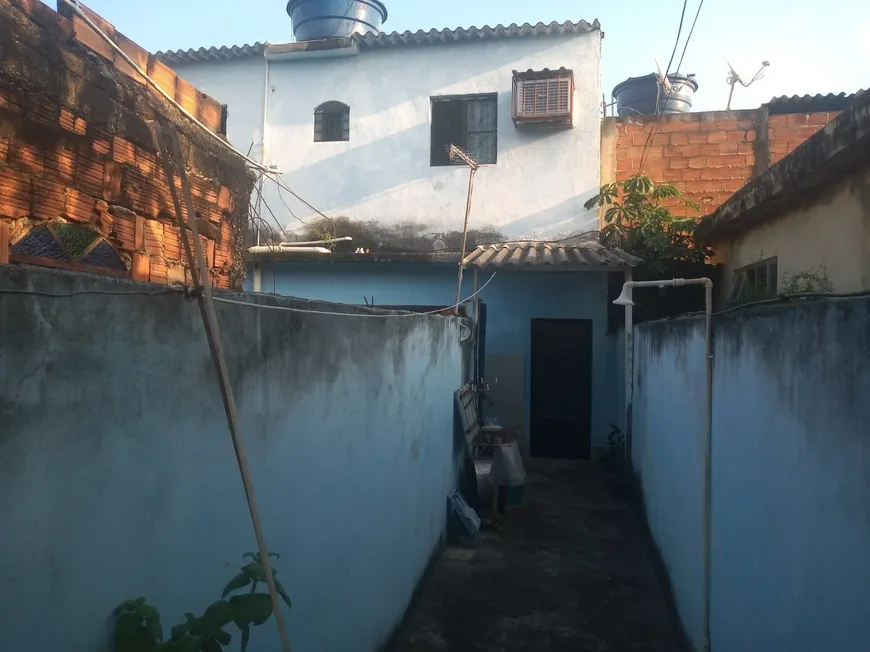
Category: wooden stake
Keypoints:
(168, 140)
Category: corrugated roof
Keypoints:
(810, 103)
(222, 53)
(476, 34)
(384, 39)
(528, 255)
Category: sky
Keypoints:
(813, 46)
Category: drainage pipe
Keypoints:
(272, 249)
(625, 299)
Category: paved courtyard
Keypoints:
(571, 570)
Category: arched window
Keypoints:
(331, 122)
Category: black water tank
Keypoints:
(637, 95)
(320, 19)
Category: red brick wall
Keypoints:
(707, 155)
(76, 146)
(786, 132)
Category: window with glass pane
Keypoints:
(331, 122)
(756, 281)
(467, 121)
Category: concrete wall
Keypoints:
(832, 231)
(383, 172)
(791, 472)
(119, 478)
(512, 299)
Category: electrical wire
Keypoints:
(66, 295)
(689, 37)
(655, 128)
(347, 314)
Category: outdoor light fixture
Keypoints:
(624, 298)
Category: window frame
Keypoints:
(465, 98)
(746, 286)
(336, 111)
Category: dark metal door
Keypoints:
(561, 388)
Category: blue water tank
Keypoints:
(637, 95)
(321, 19)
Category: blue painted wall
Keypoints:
(118, 476)
(513, 299)
(791, 472)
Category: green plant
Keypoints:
(639, 221)
(137, 626)
(806, 281)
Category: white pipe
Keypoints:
(81, 14)
(258, 278)
(629, 367)
(271, 249)
(624, 299)
(293, 245)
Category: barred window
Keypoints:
(331, 122)
(468, 121)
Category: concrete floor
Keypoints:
(571, 571)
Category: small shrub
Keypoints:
(138, 628)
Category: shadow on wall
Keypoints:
(384, 91)
(395, 169)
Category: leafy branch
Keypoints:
(639, 221)
(137, 626)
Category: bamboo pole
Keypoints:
(168, 140)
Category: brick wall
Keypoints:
(707, 155)
(786, 132)
(76, 147)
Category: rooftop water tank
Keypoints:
(321, 19)
(637, 95)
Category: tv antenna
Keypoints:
(733, 79)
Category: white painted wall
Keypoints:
(536, 189)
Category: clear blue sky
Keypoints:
(813, 46)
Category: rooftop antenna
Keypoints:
(733, 79)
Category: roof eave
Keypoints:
(838, 147)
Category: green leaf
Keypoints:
(258, 571)
(216, 616)
(128, 626)
(154, 629)
(211, 645)
(251, 609)
(283, 594)
(178, 631)
(246, 636)
(223, 637)
(239, 581)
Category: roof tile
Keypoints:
(391, 39)
(525, 255)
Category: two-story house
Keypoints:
(359, 123)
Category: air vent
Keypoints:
(543, 99)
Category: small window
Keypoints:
(469, 122)
(755, 282)
(331, 122)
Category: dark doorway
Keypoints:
(561, 388)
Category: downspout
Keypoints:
(263, 146)
(629, 369)
(476, 363)
(625, 299)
